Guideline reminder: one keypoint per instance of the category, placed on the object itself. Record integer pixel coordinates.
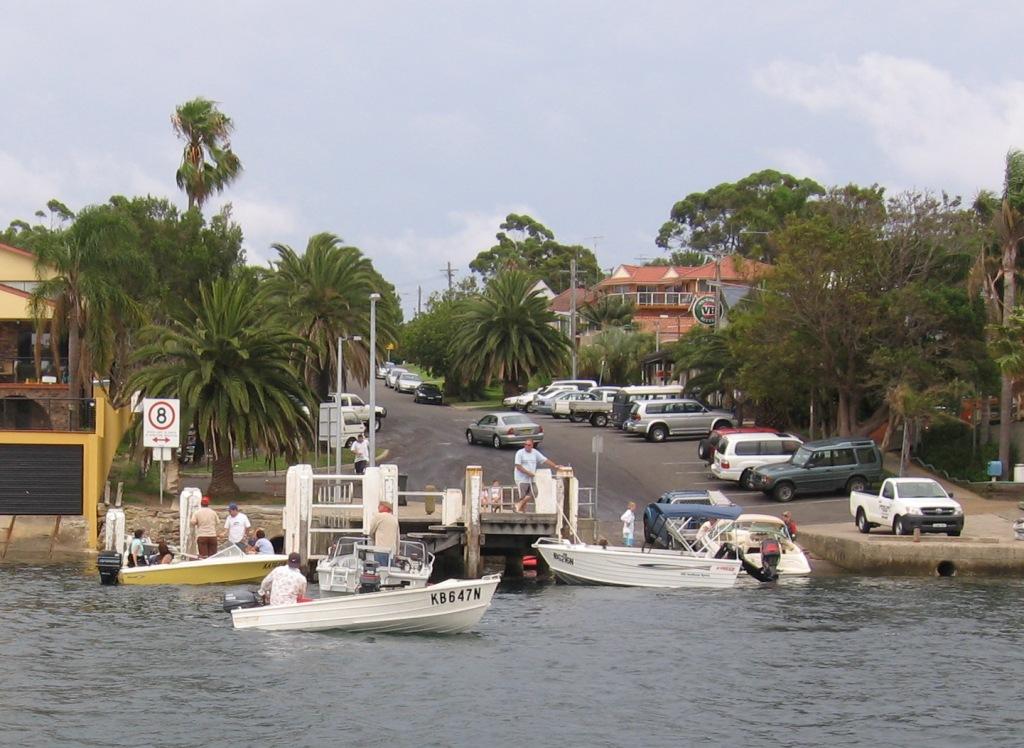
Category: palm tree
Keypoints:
(1009, 225)
(323, 294)
(208, 164)
(608, 311)
(83, 295)
(506, 333)
(232, 368)
(614, 355)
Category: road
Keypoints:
(427, 442)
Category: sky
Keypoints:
(412, 129)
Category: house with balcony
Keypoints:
(55, 450)
(670, 300)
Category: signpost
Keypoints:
(161, 430)
(597, 447)
(705, 310)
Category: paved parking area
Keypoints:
(428, 443)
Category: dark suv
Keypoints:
(825, 466)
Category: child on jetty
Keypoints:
(628, 519)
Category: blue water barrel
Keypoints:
(995, 469)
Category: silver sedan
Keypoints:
(502, 429)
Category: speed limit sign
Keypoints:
(160, 426)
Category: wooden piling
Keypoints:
(471, 515)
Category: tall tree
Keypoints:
(527, 245)
(1009, 225)
(507, 334)
(614, 355)
(231, 366)
(208, 165)
(608, 311)
(736, 217)
(323, 294)
(85, 273)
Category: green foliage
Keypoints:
(608, 311)
(680, 258)
(232, 368)
(324, 294)
(506, 334)
(947, 444)
(208, 165)
(529, 246)
(735, 217)
(614, 356)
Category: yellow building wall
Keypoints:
(15, 266)
(98, 451)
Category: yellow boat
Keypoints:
(227, 566)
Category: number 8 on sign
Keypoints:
(160, 423)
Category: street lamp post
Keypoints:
(374, 298)
(337, 397)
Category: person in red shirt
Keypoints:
(787, 518)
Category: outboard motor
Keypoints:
(109, 564)
(244, 599)
(771, 554)
(369, 579)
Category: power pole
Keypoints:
(572, 312)
(450, 272)
(419, 300)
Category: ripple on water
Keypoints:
(833, 660)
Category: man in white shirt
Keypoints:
(528, 461)
(360, 454)
(237, 525)
(384, 528)
(285, 584)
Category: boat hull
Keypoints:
(231, 570)
(451, 607)
(577, 563)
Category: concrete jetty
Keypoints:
(986, 547)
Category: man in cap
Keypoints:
(285, 584)
(237, 525)
(384, 528)
(205, 520)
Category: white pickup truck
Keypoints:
(905, 504)
(348, 400)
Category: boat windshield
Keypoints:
(228, 551)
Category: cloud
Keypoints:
(411, 259)
(799, 162)
(940, 131)
(25, 188)
(263, 223)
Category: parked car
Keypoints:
(622, 401)
(384, 368)
(695, 496)
(408, 382)
(905, 504)
(659, 419)
(546, 405)
(428, 393)
(579, 384)
(529, 404)
(351, 426)
(517, 401)
(706, 447)
(349, 400)
(737, 455)
(392, 376)
(825, 466)
(502, 429)
(561, 404)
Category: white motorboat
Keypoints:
(349, 556)
(747, 534)
(580, 563)
(449, 607)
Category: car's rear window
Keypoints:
(867, 455)
(513, 420)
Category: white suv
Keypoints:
(737, 455)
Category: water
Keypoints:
(822, 661)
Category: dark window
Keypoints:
(867, 455)
(692, 408)
(656, 408)
(38, 479)
(843, 457)
(821, 458)
(790, 447)
(887, 490)
(771, 447)
(748, 448)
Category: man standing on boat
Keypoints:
(528, 461)
(205, 520)
(285, 584)
(237, 526)
(384, 529)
